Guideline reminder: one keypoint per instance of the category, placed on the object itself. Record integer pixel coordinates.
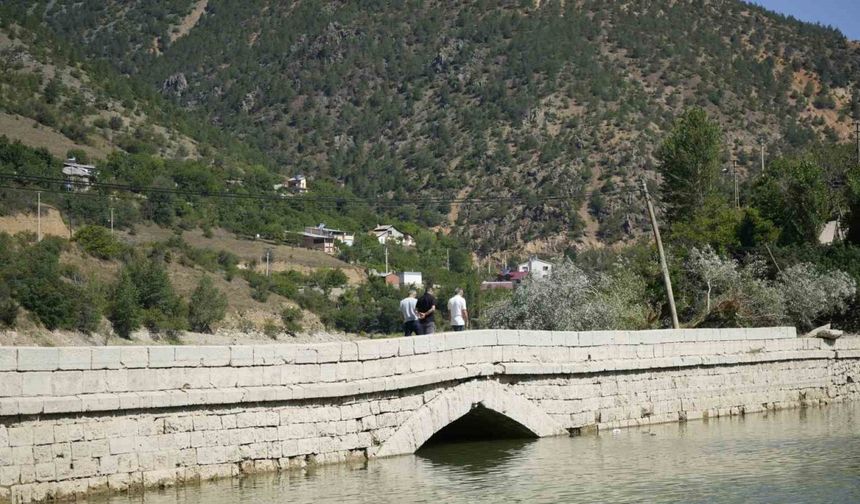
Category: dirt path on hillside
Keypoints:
(454, 214)
(190, 21)
(589, 234)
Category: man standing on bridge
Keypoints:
(410, 317)
(457, 309)
(426, 307)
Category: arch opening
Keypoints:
(480, 424)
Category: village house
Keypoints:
(506, 279)
(392, 279)
(323, 238)
(411, 278)
(535, 267)
(510, 279)
(297, 184)
(78, 177)
(387, 232)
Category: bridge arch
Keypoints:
(458, 401)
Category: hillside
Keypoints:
(551, 109)
(49, 99)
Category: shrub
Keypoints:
(8, 307)
(572, 300)
(291, 317)
(731, 295)
(811, 294)
(271, 329)
(208, 306)
(99, 242)
(116, 123)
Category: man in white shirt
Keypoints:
(457, 309)
(410, 316)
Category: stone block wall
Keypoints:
(81, 420)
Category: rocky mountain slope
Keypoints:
(548, 111)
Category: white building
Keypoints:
(297, 184)
(384, 233)
(832, 232)
(412, 278)
(78, 176)
(535, 267)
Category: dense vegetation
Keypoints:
(558, 105)
(756, 261)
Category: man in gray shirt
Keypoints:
(410, 316)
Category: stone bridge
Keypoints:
(89, 419)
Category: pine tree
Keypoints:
(208, 305)
(124, 311)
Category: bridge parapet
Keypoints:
(89, 379)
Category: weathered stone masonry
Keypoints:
(80, 420)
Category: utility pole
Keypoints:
(735, 177)
(111, 219)
(387, 270)
(39, 216)
(268, 259)
(857, 138)
(448, 259)
(663, 265)
(762, 156)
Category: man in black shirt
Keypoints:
(426, 307)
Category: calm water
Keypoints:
(791, 456)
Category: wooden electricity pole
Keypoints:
(857, 138)
(735, 182)
(663, 265)
(268, 260)
(39, 216)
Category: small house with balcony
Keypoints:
(78, 177)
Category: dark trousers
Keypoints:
(410, 328)
(458, 328)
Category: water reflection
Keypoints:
(792, 456)
(476, 456)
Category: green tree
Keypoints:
(795, 197)
(689, 161)
(99, 242)
(8, 306)
(124, 311)
(208, 306)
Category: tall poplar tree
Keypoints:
(689, 161)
